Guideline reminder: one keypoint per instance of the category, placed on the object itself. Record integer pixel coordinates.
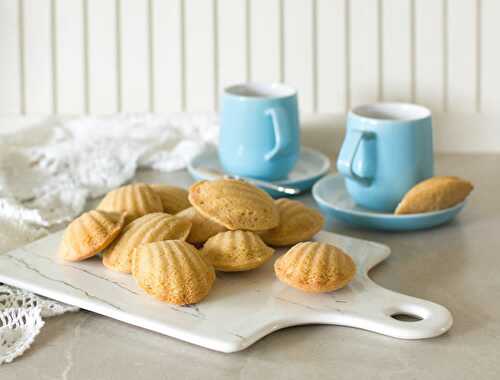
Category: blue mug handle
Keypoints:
(347, 156)
(282, 135)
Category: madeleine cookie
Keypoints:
(315, 267)
(297, 223)
(202, 228)
(173, 199)
(90, 233)
(237, 205)
(146, 229)
(235, 251)
(136, 200)
(433, 194)
(172, 271)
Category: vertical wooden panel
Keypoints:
(232, 42)
(167, 55)
(265, 40)
(38, 56)
(364, 70)
(462, 69)
(429, 53)
(199, 50)
(70, 56)
(10, 75)
(397, 55)
(490, 56)
(331, 50)
(298, 50)
(134, 56)
(102, 56)
(454, 65)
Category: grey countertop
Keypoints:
(456, 265)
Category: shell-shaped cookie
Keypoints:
(174, 199)
(315, 267)
(202, 228)
(236, 251)
(433, 194)
(146, 229)
(90, 233)
(237, 205)
(297, 223)
(172, 271)
(136, 200)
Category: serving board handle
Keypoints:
(420, 319)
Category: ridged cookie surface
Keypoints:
(136, 200)
(202, 228)
(146, 229)
(433, 194)
(315, 267)
(237, 205)
(172, 271)
(173, 199)
(297, 223)
(235, 251)
(90, 233)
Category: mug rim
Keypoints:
(281, 91)
(419, 112)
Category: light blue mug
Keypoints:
(386, 151)
(260, 131)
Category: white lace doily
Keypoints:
(48, 172)
(12, 298)
(18, 329)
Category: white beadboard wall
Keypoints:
(105, 56)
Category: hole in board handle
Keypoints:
(405, 317)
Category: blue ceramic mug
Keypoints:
(387, 150)
(260, 132)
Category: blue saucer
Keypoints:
(311, 166)
(332, 197)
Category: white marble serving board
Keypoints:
(241, 308)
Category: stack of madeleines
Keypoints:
(172, 241)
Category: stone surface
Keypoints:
(455, 265)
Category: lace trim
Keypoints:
(18, 329)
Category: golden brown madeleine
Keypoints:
(433, 194)
(174, 199)
(202, 228)
(297, 223)
(315, 267)
(236, 251)
(90, 233)
(172, 271)
(136, 200)
(237, 205)
(146, 229)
